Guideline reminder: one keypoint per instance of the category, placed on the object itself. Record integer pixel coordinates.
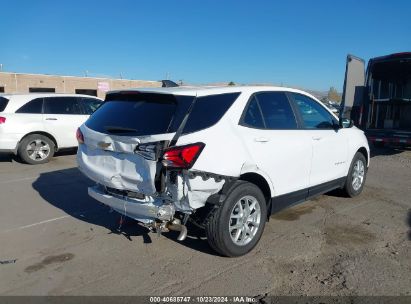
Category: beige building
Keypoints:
(34, 83)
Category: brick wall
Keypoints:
(20, 83)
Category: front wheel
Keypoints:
(36, 149)
(235, 227)
(355, 181)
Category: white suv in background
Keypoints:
(223, 159)
(34, 126)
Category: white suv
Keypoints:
(223, 159)
(34, 126)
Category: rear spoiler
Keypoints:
(168, 84)
(164, 84)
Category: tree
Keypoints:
(333, 95)
(324, 100)
(231, 83)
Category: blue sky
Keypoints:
(295, 43)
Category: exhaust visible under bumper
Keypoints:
(177, 226)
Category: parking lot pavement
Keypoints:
(56, 240)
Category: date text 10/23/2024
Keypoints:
(203, 299)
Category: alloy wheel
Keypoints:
(245, 220)
(38, 150)
(358, 175)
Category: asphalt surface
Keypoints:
(55, 240)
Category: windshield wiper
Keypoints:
(113, 129)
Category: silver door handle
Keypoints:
(317, 138)
(261, 139)
(51, 118)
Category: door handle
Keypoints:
(51, 118)
(317, 138)
(261, 139)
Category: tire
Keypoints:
(223, 219)
(352, 188)
(42, 149)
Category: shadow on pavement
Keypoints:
(387, 150)
(67, 190)
(7, 158)
(10, 157)
(65, 152)
(195, 240)
(409, 224)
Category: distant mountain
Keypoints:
(318, 94)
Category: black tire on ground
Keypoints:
(349, 189)
(41, 141)
(218, 223)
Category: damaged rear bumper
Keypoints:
(144, 210)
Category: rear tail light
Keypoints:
(182, 157)
(79, 136)
(2, 120)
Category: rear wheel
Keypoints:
(235, 227)
(355, 181)
(36, 149)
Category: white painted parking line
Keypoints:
(18, 180)
(36, 224)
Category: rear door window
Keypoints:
(62, 105)
(3, 103)
(269, 110)
(276, 110)
(90, 105)
(34, 106)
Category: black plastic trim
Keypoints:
(281, 202)
(325, 187)
(219, 198)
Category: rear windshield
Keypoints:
(3, 103)
(139, 114)
(149, 113)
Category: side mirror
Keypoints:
(336, 126)
(347, 123)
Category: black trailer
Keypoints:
(378, 100)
